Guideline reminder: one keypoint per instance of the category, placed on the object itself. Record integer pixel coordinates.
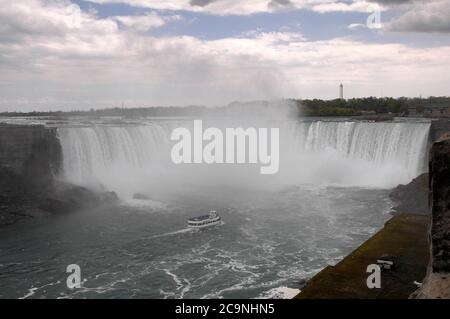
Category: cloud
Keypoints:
(46, 61)
(432, 16)
(356, 26)
(143, 23)
(239, 7)
(394, 2)
(200, 3)
(280, 4)
(340, 6)
(216, 7)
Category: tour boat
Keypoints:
(209, 220)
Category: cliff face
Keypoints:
(30, 157)
(440, 203)
(30, 160)
(30, 152)
(411, 198)
(437, 283)
(438, 128)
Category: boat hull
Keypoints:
(211, 224)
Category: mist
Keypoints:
(135, 159)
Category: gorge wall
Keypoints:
(437, 282)
(30, 160)
(31, 154)
(438, 128)
(440, 203)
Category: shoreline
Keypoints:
(405, 236)
(410, 218)
(417, 235)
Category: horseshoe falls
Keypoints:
(347, 154)
(330, 195)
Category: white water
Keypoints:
(375, 155)
(136, 159)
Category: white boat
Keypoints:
(204, 221)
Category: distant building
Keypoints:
(341, 91)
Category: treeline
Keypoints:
(367, 105)
(157, 111)
(314, 107)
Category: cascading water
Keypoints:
(359, 153)
(92, 155)
(277, 229)
(373, 142)
(126, 158)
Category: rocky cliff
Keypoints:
(437, 283)
(30, 159)
(438, 128)
(31, 153)
(440, 203)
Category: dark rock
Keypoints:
(30, 159)
(439, 128)
(301, 283)
(32, 151)
(68, 198)
(413, 197)
(440, 199)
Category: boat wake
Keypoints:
(183, 231)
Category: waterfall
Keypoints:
(136, 158)
(377, 143)
(93, 154)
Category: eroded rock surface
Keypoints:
(30, 160)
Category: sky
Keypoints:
(82, 54)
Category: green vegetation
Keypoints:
(368, 105)
(315, 107)
(404, 236)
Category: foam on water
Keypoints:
(280, 293)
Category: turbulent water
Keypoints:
(330, 195)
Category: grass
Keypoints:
(404, 236)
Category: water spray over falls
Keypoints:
(135, 158)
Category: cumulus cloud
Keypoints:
(394, 2)
(431, 16)
(47, 61)
(216, 7)
(239, 7)
(143, 23)
(340, 6)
